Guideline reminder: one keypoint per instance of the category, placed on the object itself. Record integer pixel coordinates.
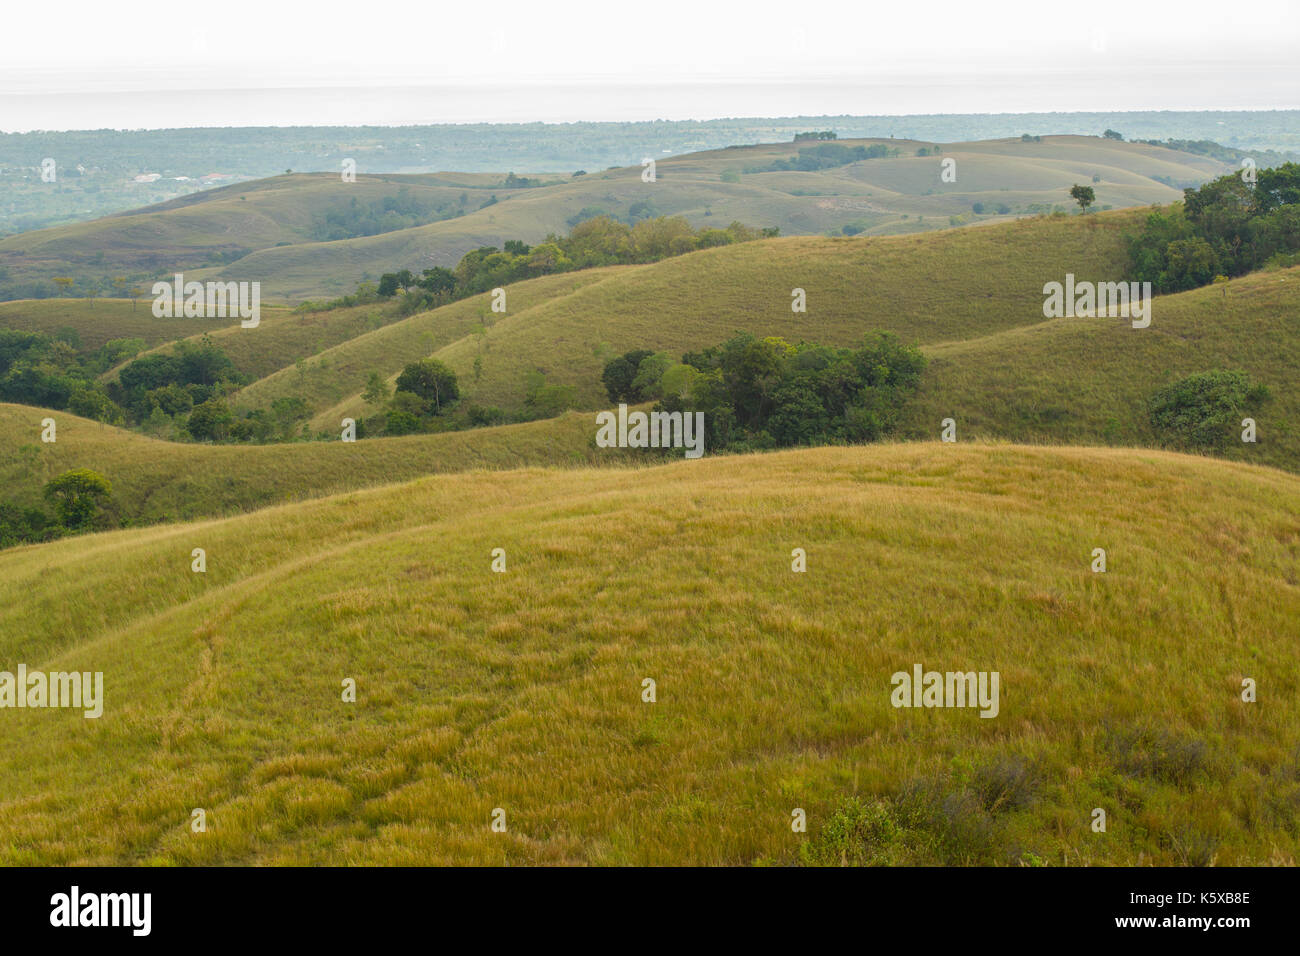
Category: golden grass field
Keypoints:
(522, 690)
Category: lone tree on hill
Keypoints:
(1083, 195)
(77, 496)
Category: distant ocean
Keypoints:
(29, 102)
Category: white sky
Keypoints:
(1181, 54)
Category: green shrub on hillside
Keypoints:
(1203, 411)
(77, 496)
(767, 393)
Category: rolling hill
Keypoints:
(943, 286)
(156, 480)
(263, 231)
(1088, 381)
(523, 691)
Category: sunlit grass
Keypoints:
(522, 690)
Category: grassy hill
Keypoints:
(157, 480)
(281, 338)
(338, 374)
(943, 286)
(96, 321)
(523, 690)
(1084, 381)
(264, 230)
(221, 225)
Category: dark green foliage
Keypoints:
(826, 156)
(620, 373)
(432, 381)
(19, 525)
(1203, 412)
(54, 372)
(210, 421)
(1085, 196)
(595, 239)
(1226, 227)
(77, 496)
(764, 393)
(354, 218)
(398, 422)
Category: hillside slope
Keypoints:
(158, 481)
(523, 690)
(944, 286)
(268, 230)
(1088, 381)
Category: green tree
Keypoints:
(432, 381)
(210, 421)
(620, 373)
(1083, 195)
(78, 496)
(376, 390)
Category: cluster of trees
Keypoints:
(823, 134)
(523, 182)
(78, 498)
(181, 393)
(1227, 227)
(598, 241)
(188, 388)
(54, 371)
(1203, 412)
(426, 398)
(826, 156)
(1224, 154)
(357, 218)
(424, 391)
(767, 393)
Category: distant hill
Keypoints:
(269, 231)
(97, 169)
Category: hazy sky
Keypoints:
(73, 64)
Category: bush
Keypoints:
(857, 834)
(398, 422)
(1203, 411)
(210, 421)
(432, 381)
(77, 496)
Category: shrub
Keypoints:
(432, 381)
(78, 495)
(1203, 410)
